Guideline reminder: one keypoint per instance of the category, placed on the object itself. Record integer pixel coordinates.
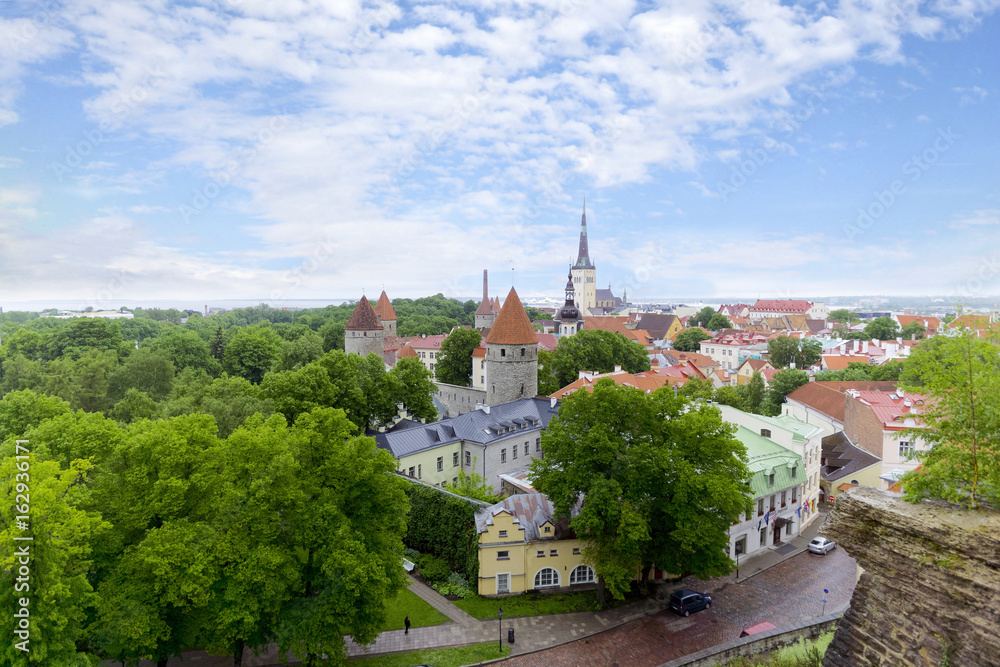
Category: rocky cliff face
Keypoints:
(930, 594)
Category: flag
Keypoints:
(767, 518)
(758, 524)
(798, 512)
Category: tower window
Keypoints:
(503, 353)
(522, 351)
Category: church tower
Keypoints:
(511, 355)
(584, 272)
(363, 334)
(569, 319)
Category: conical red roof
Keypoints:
(512, 326)
(363, 318)
(384, 308)
(406, 352)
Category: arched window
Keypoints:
(546, 577)
(582, 574)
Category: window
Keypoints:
(772, 503)
(538, 444)
(576, 551)
(468, 458)
(854, 482)
(419, 475)
(795, 494)
(760, 506)
(503, 353)
(503, 533)
(766, 432)
(503, 555)
(411, 471)
(522, 351)
(546, 577)
(553, 552)
(581, 574)
(503, 455)
(503, 583)
(454, 480)
(526, 452)
(783, 498)
(515, 451)
(770, 479)
(548, 529)
(763, 537)
(905, 449)
(540, 553)
(454, 459)
(440, 463)
(795, 472)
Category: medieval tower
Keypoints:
(511, 355)
(486, 314)
(386, 314)
(584, 273)
(363, 334)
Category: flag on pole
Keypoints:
(767, 518)
(798, 512)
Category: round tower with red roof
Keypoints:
(511, 355)
(363, 333)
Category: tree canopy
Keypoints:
(702, 317)
(718, 321)
(595, 350)
(454, 361)
(689, 339)
(882, 328)
(661, 480)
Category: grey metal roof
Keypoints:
(530, 510)
(842, 458)
(477, 426)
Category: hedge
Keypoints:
(445, 526)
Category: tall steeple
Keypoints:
(583, 254)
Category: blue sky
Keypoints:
(315, 149)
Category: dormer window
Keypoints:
(503, 533)
(548, 529)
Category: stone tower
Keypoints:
(486, 314)
(511, 355)
(363, 334)
(569, 319)
(386, 314)
(584, 272)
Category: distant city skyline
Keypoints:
(292, 151)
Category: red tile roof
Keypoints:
(512, 326)
(639, 381)
(432, 342)
(932, 324)
(406, 352)
(547, 341)
(896, 410)
(838, 362)
(781, 306)
(363, 318)
(828, 397)
(384, 308)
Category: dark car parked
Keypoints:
(686, 601)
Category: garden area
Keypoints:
(439, 657)
(421, 614)
(801, 654)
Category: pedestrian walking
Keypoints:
(406, 622)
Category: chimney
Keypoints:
(552, 402)
(206, 310)
(618, 369)
(485, 286)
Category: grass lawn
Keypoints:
(406, 604)
(439, 657)
(800, 654)
(535, 604)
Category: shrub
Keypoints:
(410, 554)
(455, 585)
(433, 569)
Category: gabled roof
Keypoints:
(512, 326)
(547, 341)
(842, 458)
(757, 364)
(406, 352)
(766, 457)
(477, 426)
(432, 342)
(529, 511)
(485, 307)
(384, 308)
(839, 362)
(363, 318)
(645, 382)
(781, 306)
(932, 324)
(895, 410)
(657, 324)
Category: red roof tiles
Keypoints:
(384, 308)
(512, 326)
(363, 318)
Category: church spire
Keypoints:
(583, 255)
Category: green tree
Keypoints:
(596, 350)
(961, 380)
(186, 349)
(844, 315)
(217, 346)
(548, 383)
(689, 339)
(85, 334)
(882, 328)
(454, 363)
(298, 391)
(333, 336)
(347, 539)
(139, 329)
(718, 321)
(31, 344)
(21, 410)
(783, 383)
(810, 353)
(55, 576)
(84, 381)
(473, 485)
(251, 352)
(661, 479)
(754, 393)
(229, 400)
(20, 372)
(702, 318)
(151, 371)
(913, 331)
(414, 388)
(702, 388)
(731, 396)
(299, 351)
(135, 405)
(781, 350)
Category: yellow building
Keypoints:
(522, 548)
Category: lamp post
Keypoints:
(500, 627)
(825, 593)
(737, 565)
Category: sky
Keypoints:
(322, 149)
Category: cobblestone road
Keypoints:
(787, 593)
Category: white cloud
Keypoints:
(981, 218)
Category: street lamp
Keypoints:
(500, 627)
(825, 593)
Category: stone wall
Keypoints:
(459, 400)
(511, 373)
(364, 342)
(931, 584)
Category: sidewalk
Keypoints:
(756, 564)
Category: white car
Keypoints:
(821, 545)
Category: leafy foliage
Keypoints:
(443, 525)
(703, 317)
(689, 339)
(718, 321)
(454, 363)
(595, 350)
